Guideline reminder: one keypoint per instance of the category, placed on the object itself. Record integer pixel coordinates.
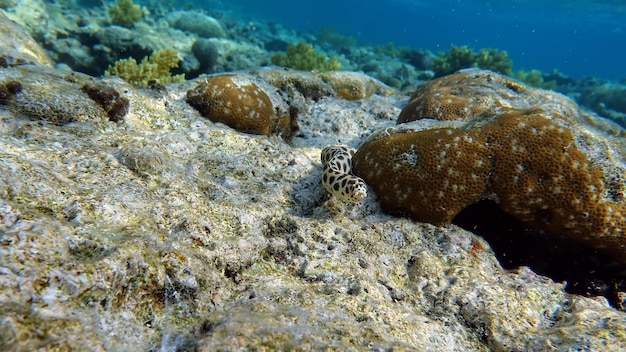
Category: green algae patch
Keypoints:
(302, 56)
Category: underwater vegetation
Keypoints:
(302, 56)
(155, 67)
(337, 40)
(535, 79)
(124, 13)
(460, 57)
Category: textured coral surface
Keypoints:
(535, 163)
(234, 101)
(465, 94)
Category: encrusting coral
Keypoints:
(354, 85)
(466, 93)
(537, 163)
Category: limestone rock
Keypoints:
(17, 47)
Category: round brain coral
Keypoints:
(533, 152)
(239, 102)
(527, 163)
(429, 175)
(464, 94)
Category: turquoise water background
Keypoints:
(578, 38)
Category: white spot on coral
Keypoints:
(408, 158)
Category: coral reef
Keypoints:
(529, 156)
(156, 67)
(124, 13)
(206, 53)
(302, 56)
(337, 41)
(605, 98)
(535, 79)
(239, 102)
(165, 231)
(460, 57)
(465, 94)
(304, 83)
(316, 85)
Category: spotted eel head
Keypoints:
(337, 177)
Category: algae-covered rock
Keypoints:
(40, 93)
(17, 47)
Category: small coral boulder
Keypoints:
(467, 93)
(354, 85)
(238, 101)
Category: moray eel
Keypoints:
(337, 177)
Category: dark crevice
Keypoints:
(586, 270)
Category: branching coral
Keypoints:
(154, 68)
(302, 56)
(124, 13)
(460, 57)
(535, 79)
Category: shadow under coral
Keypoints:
(587, 271)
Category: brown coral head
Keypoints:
(529, 163)
(428, 175)
(463, 95)
(235, 101)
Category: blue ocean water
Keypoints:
(578, 38)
